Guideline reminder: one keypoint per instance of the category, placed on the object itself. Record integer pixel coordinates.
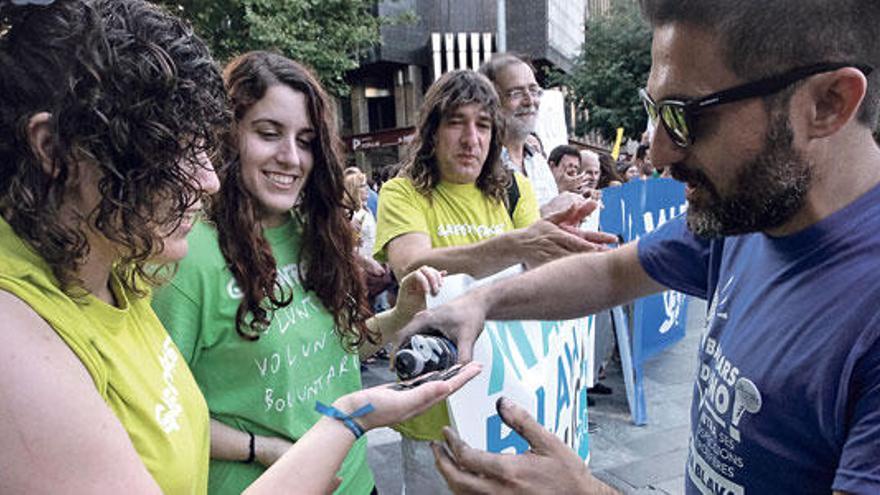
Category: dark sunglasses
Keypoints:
(679, 116)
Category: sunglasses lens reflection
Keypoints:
(676, 124)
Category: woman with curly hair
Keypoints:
(108, 109)
(271, 306)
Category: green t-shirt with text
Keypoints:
(268, 386)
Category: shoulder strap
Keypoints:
(512, 195)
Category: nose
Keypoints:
(663, 151)
(470, 135)
(288, 152)
(206, 177)
(531, 99)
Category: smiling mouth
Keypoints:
(282, 180)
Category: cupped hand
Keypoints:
(413, 289)
(391, 406)
(549, 466)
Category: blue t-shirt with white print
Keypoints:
(787, 395)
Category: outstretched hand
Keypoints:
(461, 320)
(392, 405)
(548, 467)
(559, 235)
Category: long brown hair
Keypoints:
(452, 90)
(326, 262)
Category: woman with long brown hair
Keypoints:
(270, 307)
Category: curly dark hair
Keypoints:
(452, 90)
(327, 259)
(132, 93)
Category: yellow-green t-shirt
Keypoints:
(136, 367)
(454, 215)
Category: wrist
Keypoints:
(512, 245)
(261, 451)
(388, 322)
(482, 299)
(251, 448)
(350, 403)
(394, 319)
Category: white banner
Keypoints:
(551, 120)
(545, 366)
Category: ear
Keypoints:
(834, 100)
(39, 134)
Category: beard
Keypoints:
(766, 193)
(519, 126)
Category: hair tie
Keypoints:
(347, 419)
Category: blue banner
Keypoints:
(631, 211)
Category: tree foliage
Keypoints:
(614, 63)
(327, 35)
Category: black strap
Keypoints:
(512, 195)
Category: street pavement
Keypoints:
(647, 459)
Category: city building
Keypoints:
(387, 89)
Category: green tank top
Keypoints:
(135, 366)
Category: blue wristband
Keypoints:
(347, 419)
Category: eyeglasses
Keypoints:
(679, 116)
(519, 93)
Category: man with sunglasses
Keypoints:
(765, 111)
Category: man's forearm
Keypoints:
(477, 260)
(570, 287)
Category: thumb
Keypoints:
(589, 206)
(540, 440)
(574, 214)
(409, 330)
(465, 347)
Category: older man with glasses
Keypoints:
(765, 110)
(520, 95)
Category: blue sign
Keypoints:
(631, 211)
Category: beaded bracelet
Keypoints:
(347, 419)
